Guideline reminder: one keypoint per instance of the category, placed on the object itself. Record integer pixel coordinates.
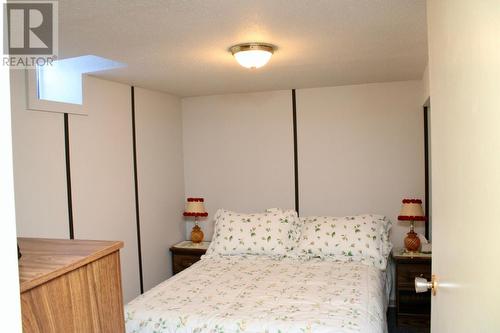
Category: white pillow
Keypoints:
(270, 233)
(294, 218)
(362, 238)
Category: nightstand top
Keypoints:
(191, 245)
(401, 254)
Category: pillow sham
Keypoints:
(270, 233)
(362, 238)
(294, 219)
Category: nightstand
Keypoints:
(186, 253)
(412, 309)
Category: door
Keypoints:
(464, 63)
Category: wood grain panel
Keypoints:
(44, 259)
(87, 298)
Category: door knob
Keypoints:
(422, 285)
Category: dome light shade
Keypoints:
(252, 55)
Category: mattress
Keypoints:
(262, 294)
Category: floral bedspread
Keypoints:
(261, 294)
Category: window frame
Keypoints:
(34, 103)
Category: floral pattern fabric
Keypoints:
(294, 218)
(253, 294)
(363, 238)
(272, 233)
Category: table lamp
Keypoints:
(195, 208)
(412, 211)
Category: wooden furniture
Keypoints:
(186, 253)
(412, 309)
(70, 285)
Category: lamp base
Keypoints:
(196, 234)
(412, 242)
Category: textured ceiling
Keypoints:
(181, 46)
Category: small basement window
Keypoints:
(62, 81)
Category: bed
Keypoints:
(261, 294)
(265, 292)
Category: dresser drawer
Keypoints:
(408, 272)
(183, 261)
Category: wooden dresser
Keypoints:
(70, 285)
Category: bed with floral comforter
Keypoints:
(262, 294)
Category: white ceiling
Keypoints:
(181, 46)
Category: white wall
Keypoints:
(426, 93)
(39, 167)
(361, 150)
(102, 173)
(464, 64)
(238, 152)
(10, 306)
(161, 180)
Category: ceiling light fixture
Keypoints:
(252, 55)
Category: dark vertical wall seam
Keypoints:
(68, 176)
(295, 150)
(136, 186)
(426, 159)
